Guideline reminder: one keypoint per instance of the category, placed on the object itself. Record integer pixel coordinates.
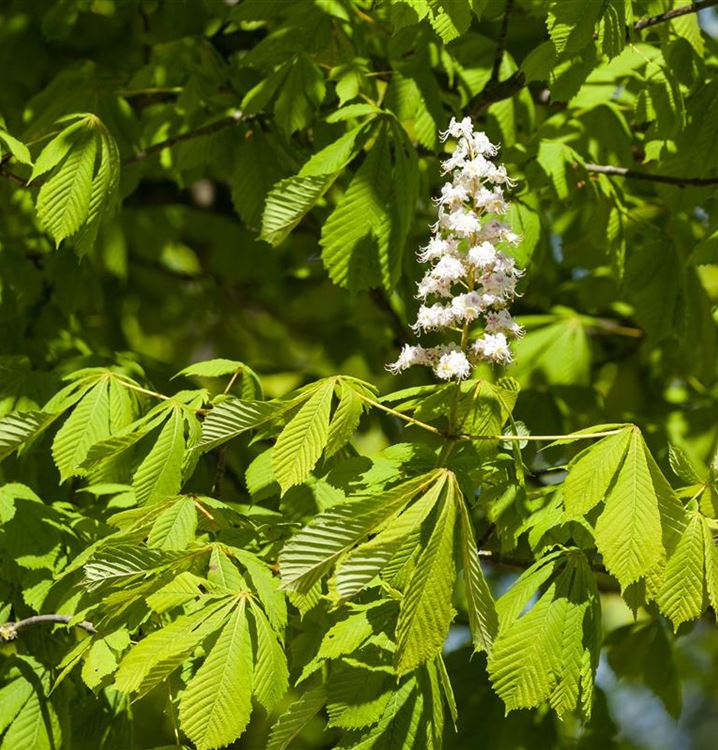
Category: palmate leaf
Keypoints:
(271, 676)
(590, 474)
(121, 561)
(217, 703)
(36, 726)
(426, 612)
(689, 578)
(311, 552)
(79, 193)
(629, 531)
(160, 653)
(88, 424)
(483, 619)
(355, 237)
(160, 474)
(233, 417)
(357, 696)
(365, 562)
(296, 717)
(19, 426)
(301, 442)
(542, 655)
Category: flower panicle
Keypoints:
(469, 279)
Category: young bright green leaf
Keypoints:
(301, 442)
(480, 604)
(159, 476)
(629, 531)
(357, 569)
(311, 552)
(88, 424)
(590, 474)
(271, 676)
(17, 427)
(542, 656)
(295, 718)
(231, 418)
(217, 703)
(160, 653)
(426, 611)
(684, 593)
(175, 527)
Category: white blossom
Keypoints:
(453, 365)
(467, 269)
(410, 355)
(466, 307)
(494, 347)
(500, 321)
(448, 269)
(482, 256)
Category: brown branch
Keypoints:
(501, 43)
(9, 630)
(684, 10)
(634, 174)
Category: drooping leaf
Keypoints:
(217, 703)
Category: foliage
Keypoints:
(222, 522)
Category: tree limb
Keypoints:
(634, 174)
(9, 630)
(684, 10)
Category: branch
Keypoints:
(684, 10)
(155, 148)
(634, 174)
(9, 630)
(215, 127)
(501, 43)
(496, 92)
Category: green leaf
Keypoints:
(426, 612)
(355, 237)
(684, 593)
(542, 655)
(231, 418)
(311, 552)
(345, 419)
(18, 149)
(628, 531)
(302, 93)
(295, 718)
(63, 202)
(271, 676)
(160, 653)
(175, 527)
(159, 476)
(591, 472)
(216, 705)
(571, 24)
(361, 565)
(301, 442)
(483, 619)
(88, 424)
(18, 427)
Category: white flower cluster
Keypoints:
(469, 274)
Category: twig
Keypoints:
(644, 23)
(634, 174)
(215, 127)
(381, 301)
(9, 630)
(501, 43)
(496, 92)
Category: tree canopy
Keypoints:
(231, 513)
